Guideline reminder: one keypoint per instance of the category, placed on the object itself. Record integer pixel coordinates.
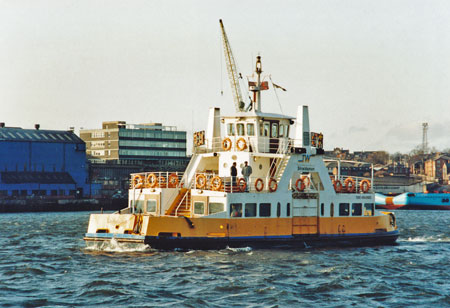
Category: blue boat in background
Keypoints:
(414, 201)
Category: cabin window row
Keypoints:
(356, 209)
(258, 210)
(266, 129)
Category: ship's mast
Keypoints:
(258, 85)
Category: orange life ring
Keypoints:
(364, 186)
(216, 182)
(273, 188)
(226, 144)
(138, 181)
(241, 144)
(200, 181)
(173, 180)
(151, 180)
(349, 185)
(242, 184)
(302, 185)
(306, 181)
(337, 186)
(257, 186)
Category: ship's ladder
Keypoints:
(181, 205)
(280, 165)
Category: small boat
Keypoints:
(414, 201)
(284, 196)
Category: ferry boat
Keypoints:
(287, 200)
(414, 201)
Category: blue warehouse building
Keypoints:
(37, 162)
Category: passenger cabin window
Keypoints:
(331, 209)
(264, 209)
(322, 209)
(250, 210)
(250, 129)
(230, 129)
(278, 209)
(344, 209)
(199, 208)
(240, 129)
(215, 207)
(356, 209)
(288, 209)
(274, 132)
(236, 210)
(368, 209)
(151, 206)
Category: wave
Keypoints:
(114, 246)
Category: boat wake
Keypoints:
(238, 250)
(114, 246)
(427, 239)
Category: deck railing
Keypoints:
(157, 180)
(255, 144)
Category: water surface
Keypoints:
(43, 263)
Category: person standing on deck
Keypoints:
(246, 172)
(233, 172)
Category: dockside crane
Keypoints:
(232, 72)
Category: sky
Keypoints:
(371, 72)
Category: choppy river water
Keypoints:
(43, 263)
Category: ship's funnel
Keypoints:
(306, 133)
(213, 128)
(298, 128)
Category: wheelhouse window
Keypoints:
(264, 209)
(230, 129)
(199, 207)
(250, 210)
(356, 209)
(344, 209)
(266, 130)
(151, 206)
(240, 129)
(250, 129)
(281, 132)
(215, 207)
(274, 131)
(368, 209)
(236, 210)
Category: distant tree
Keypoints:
(418, 150)
(379, 157)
